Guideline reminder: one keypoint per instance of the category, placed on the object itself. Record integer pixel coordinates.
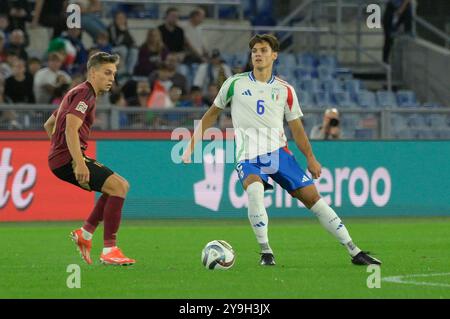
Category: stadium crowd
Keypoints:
(172, 68)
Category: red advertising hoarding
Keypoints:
(28, 189)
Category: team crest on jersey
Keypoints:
(82, 107)
(275, 94)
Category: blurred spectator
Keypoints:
(172, 35)
(139, 100)
(74, 36)
(65, 50)
(197, 97)
(58, 94)
(225, 121)
(163, 75)
(34, 65)
(176, 77)
(193, 33)
(117, 99)
(213, 90)
(214, 72)
(48, 79)
(123, 43)
(102, 43)
(159, 98)
(397, 12)
(6, 66)
(141, 95)
(4, 25)
(17, 44)
(8, 118)
(51, 14)
(174, 97)
(151, 54)
(78, 79)
(90, 20)
(330, 128)
(18, 12)
(19, 86)
(2, 47)
(247, 67)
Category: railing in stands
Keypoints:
(357, 123)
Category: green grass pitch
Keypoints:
(310, 263)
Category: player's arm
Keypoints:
(49, 125)
(302, 142)
(73, 124)
(208, 120)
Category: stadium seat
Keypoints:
(305, 99)
(324, 99)
(343, 99)
(302, 73)
(329, 61)
(284, 72)
(415, 121)
(398, 121)
(353, 86)
(366, 99)
(386, 99)
(325, 72)
(312, 86)
(406, 98)
(287, 60)
(228, 58)
(436, 121)
(240, 59)
(331, 85)
(307, 59)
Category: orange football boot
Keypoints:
(83, 245)
(116, 257)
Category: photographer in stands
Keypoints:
(330, 128)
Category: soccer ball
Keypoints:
(218, 254)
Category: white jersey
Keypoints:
(257, 111)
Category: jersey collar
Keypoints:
(91, 87)
(252, 78)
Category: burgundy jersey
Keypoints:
(80, 101)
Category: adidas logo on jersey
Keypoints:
(247, 92)
(305, 179)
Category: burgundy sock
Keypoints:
(96, 216)
(112, 215)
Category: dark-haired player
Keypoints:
(259, 104)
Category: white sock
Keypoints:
(86, 235)
(333, 224)
(107, 250)
(258, 216)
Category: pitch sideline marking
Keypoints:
(400, 280)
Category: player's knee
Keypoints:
(124, 187)
(117, 187)
(255, 192)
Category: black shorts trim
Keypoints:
(98, 173)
